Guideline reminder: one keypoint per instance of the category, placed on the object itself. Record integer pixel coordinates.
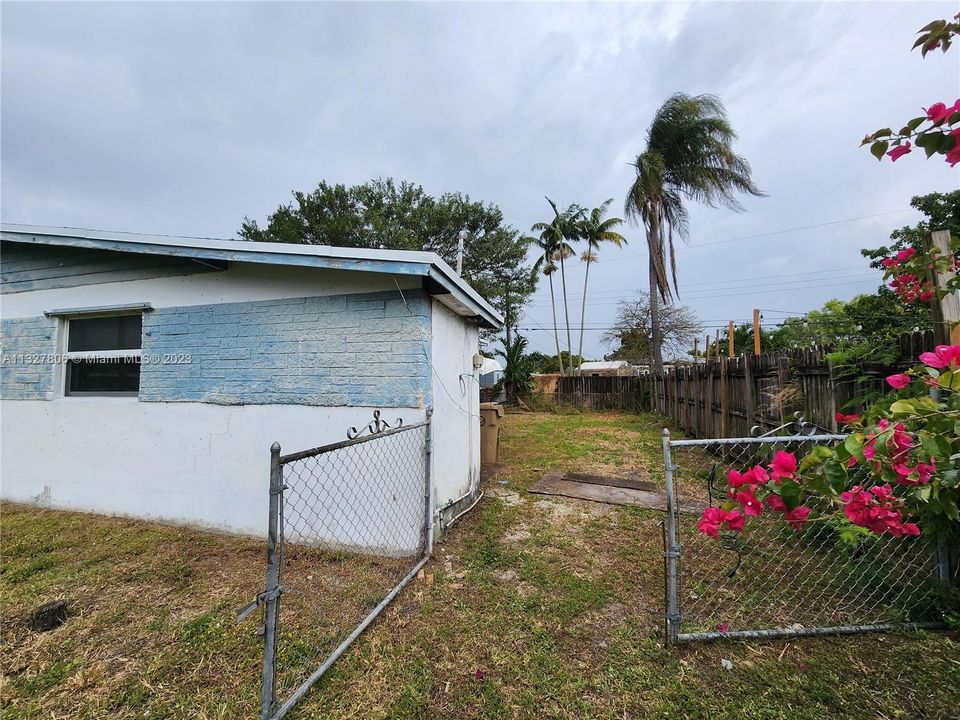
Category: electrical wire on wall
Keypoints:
(423, 336)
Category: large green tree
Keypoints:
(384, 213)
(689, 156)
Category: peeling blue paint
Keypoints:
(26, 347)
(341, 350)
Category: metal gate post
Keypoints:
(672, 552)
(271, 595)
(428, 481)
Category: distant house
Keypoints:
(605, 368)
(148, 375)
(491, 372)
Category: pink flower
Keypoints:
(898, 381)
(776, 502)
(899, 151)
(906, 254)
(846, 419)
(723, 627)
(760, 475)
(737, 479)
(735, 521)
(713, 518)
(889, 262)
(939, 112)
(797, 517)
(711, 521)
(953, 156)
(869, 451)
(911, 529)
(784, 465)
(751, 506)
(936, 112)
(942, 356)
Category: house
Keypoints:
(491, 372)
(148, 375)
(605, 368)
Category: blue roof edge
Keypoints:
(394, 262)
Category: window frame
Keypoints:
(66, 355)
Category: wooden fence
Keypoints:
(727, 398)
(594, 392)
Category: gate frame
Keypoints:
(270, 598)
(673, 614)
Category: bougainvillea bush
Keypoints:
(897, 473)
(937, 131)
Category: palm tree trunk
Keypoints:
(583, 313)
(654, 308)
(566, 312)
(556, 333)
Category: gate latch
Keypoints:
(265, 596)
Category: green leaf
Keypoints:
(924, 493)
(903, 407)
(791, 494)
(946, 143)
(879, 148)
(950, 380)
(836, 474)
(854, 445)
(885, 132)
(816, 456)
(929, 142)
(916, 122)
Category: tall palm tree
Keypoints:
(595, 229)
(563, 229)
(549, 242)
(688, 157)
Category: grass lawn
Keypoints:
(541, 607)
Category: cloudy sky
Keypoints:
(184, 118)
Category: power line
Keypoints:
(768, 234)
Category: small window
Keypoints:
(103, 355)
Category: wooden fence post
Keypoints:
(756, 331)
(730, 340)
(749, 390)
(946, 310)
(724, 398)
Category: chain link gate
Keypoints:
(771, 580)
(350, 525)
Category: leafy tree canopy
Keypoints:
(383, 213)
(942, 212)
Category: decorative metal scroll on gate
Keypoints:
(375, 427)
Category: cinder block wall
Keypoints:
(363, 349)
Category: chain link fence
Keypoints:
(775, 581)
(350, 526)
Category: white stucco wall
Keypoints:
(194, 463)
(456, 430)
(207, 464)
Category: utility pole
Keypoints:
(506, 310)
(756, 331)
(696, 351)
(461, 236)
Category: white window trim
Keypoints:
(65, 356)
